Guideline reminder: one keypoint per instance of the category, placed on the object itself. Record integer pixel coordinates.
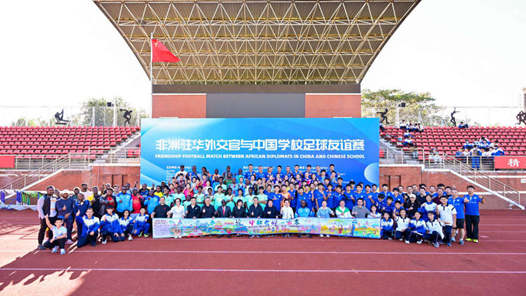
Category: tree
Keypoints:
(22, 121)
(104, 114)
(419, 107)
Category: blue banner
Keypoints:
(351, 144)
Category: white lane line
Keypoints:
(264, 270)
(287, 252)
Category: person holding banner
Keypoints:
(286, 210)
(359, 211)
(304, 211)
(208, 210)
(239, 210)
(177, 211)
(223, 211)
(255, 210)
(193, 211)
(324, 211)
(270, 211)
(342, 211)
(161, 210)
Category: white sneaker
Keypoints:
(54, 250)
(62, 251)
(69, 242)
(407, 242)
(104, 242)
(130, 237)
(321, 235)
(180, 236)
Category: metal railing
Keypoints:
(38, 174)
(482, 177)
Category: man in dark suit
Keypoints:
(208, 210)
(223, 211)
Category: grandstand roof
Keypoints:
(259, 41)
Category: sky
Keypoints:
(466, 53)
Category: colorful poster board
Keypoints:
(351, 227)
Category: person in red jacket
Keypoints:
(137, 201)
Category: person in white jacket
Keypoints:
(178, 212)
(433, 230)
(286, 212)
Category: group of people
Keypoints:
(119, 213)
(482, 148)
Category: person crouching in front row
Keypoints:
(109, 224)
(386, 225)
(126, 223)
(140, 225)
(433, 230)
(402, 226)
(60, 233)
(90, 229)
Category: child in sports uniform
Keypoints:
(417, 226)
(433, 230)
(126, 223)
(109, 224)
(402, 226)
(386, 225)
(140, 225)
(60, 233)
(447, 216)
(90, 229)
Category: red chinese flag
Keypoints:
(161, 54)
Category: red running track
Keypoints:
(273, 265)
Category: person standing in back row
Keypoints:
(46, 207)
(472, 202)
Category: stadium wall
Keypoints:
(256, 101)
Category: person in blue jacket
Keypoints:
(304, 211)
(140, 224)
(81, 205)
(151, 201)
(124, 201)
(417, 226)
(387, 226)
(276, 197)
(90, 229)
(337, 195)
(109, 225)
(65, 207)
(126, 223)
(319, 196)
(349, 197)
(302, 197)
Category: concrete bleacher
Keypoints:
(54, 142)
(448, 140)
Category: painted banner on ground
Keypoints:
(352, 227)
(351, 144)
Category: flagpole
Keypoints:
(151, 74)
